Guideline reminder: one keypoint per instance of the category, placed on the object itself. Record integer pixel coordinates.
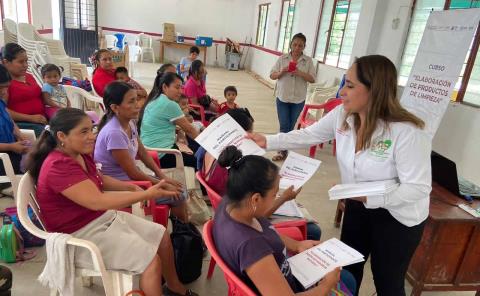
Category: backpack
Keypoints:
(29, 239)
(85, 84)
(188, 249)
(11, 243)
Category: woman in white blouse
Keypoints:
(377, 139)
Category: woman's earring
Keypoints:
(62, 144)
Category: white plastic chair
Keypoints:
(111, 42)
(10, 176)
(77, 97)
(51, 51)
(146, 46)
(9, 31)
(115, 283)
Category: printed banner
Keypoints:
(438, 63)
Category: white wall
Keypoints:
(42, 14)
(213, 18)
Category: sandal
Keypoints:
(167, 292)
(281, 155)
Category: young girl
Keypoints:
(118, 143)
(74, 199)
(52, 90)
(247, 241)
(104, 72)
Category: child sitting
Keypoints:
(52, 91)
(121, 73)
(55, 95)
(186, 62)
(230, 94)
(183, 102)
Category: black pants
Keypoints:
(168, 161)
(15, 159)
(6, 281)
(391, 244)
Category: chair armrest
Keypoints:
(202, 113)
(97, 259)
(301, 224)
(177, 153)
(7, 164)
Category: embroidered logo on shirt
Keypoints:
(380, 148)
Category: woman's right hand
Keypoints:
(164, 189)
(260, 139)
(37, 118)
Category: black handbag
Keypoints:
(188, 249)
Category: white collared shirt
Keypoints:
(400, 151)
(291, 88)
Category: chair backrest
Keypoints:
(76, 94)
(26, 198)
(10, 31)
(235, 285)
(144, 40)
(326, 107)
(215, 198)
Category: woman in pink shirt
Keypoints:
(72, 196)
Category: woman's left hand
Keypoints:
(305, 245)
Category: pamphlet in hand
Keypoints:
(297, 170)
(341, 191)
(312, 265)
(289, 209)
(223, 132)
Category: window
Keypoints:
(17, 10)
(79, 14)
(263, 10)
(467, 88)
(336, 31)
(286, 24)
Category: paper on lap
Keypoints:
(313, 264)
(223, 132)
(297, 170)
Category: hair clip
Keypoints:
(47, 128)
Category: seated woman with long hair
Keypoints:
(73, 198)
(246, 240)
(118, 143)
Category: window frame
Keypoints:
(265, 25)
(470, 60)
(2, 13)
(329, 35)
(286, 22)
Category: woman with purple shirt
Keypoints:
(246, 240)
(118, 144)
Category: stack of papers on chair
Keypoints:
(312, 265)
(223, 132)
(341, 191)
(289, 209)
(297, 170)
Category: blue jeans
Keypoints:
(348, 280)
(288, 114)
(313, 231)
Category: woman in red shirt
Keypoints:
(25, 103)
(104, 72)
(72, 198)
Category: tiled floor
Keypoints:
(259, 100)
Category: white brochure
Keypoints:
(297, 170)
(223, 132)
(312, 265)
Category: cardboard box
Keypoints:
(169, 32)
